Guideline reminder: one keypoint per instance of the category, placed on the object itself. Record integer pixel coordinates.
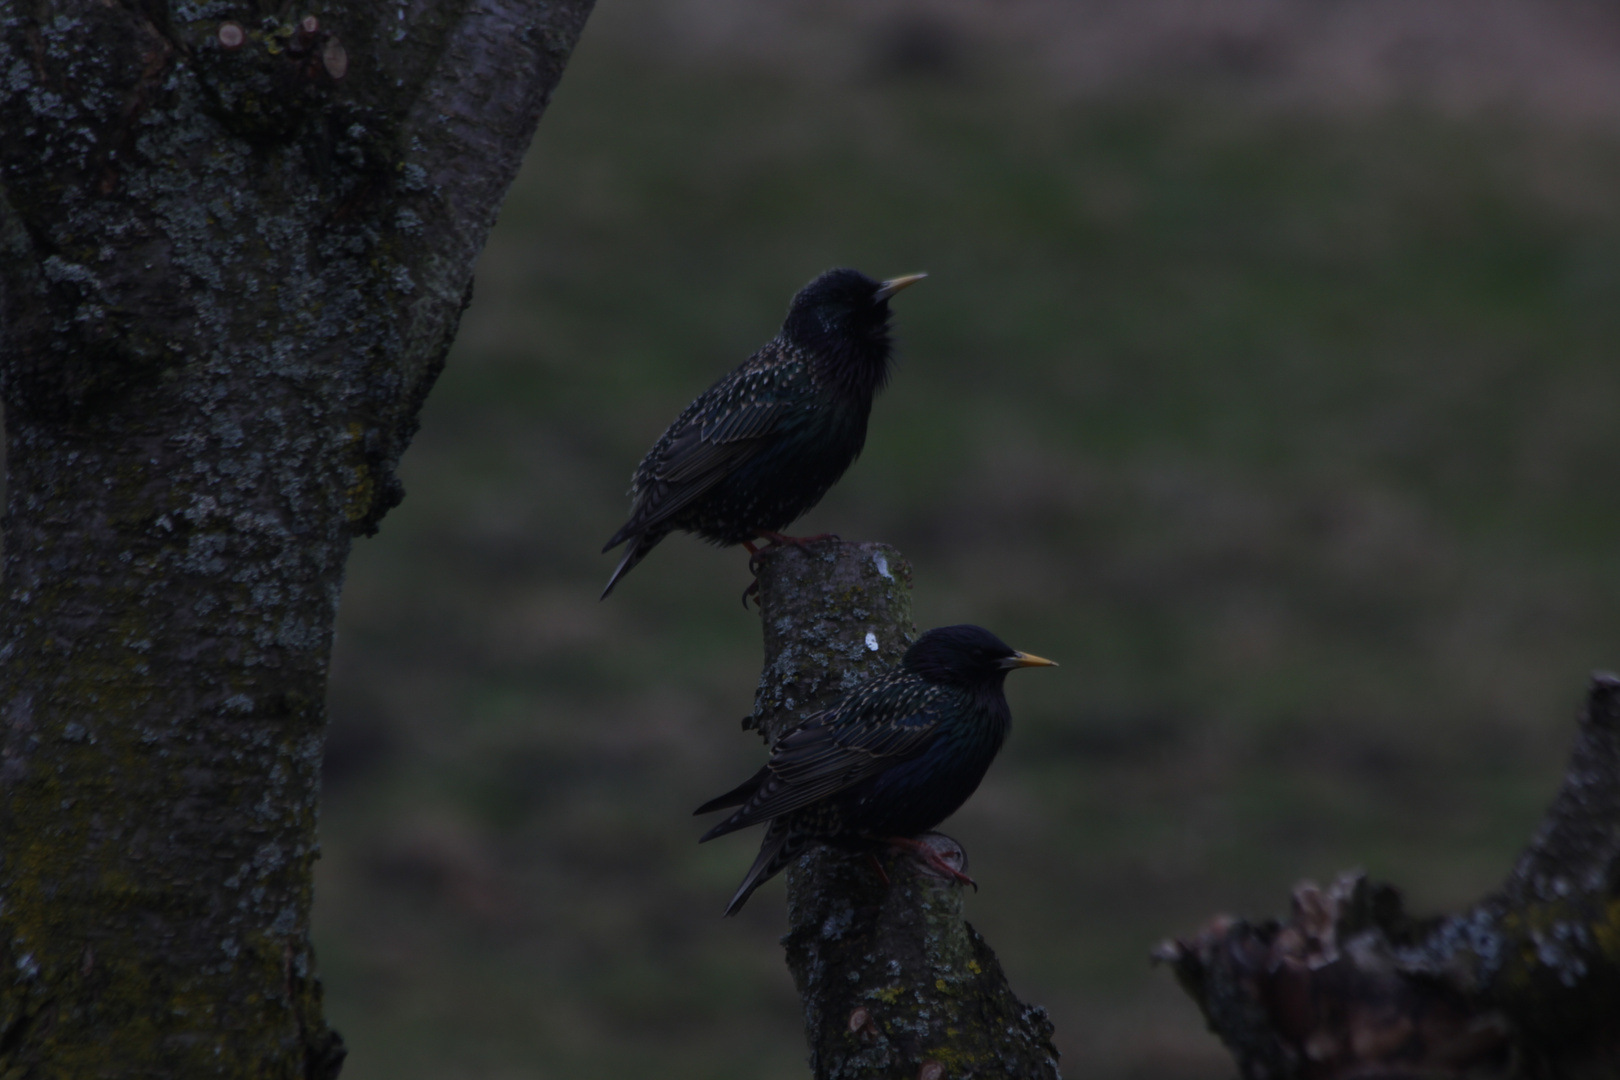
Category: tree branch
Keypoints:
(895, 983)
(1525, 985)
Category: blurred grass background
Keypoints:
(1284, 420)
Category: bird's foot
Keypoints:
(939, 854)
(777, 538)
(877, 865)
(753, 568)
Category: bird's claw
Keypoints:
(754, 567)
(773, 540)
(935, 862)
(950, 873)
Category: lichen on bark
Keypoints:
(1524, 985)
(235, 249)
(894, 981)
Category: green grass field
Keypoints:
(1292, 438)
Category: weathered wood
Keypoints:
(1525, 985)
(235, 242)
(894, 981)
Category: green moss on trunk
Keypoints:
(235, 250)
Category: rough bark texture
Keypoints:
(1523, 986)
(234, 245)
(894, 982)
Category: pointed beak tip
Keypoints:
(1024, 659)
(894, 285)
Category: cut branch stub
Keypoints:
(895, 983)
(1525, 984)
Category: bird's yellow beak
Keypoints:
(1025, 659)
(894, 285)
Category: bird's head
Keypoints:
(966, 655)
(842, 319)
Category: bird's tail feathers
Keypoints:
(639, 546)
(626, 531)
(736, 796)
(779, 848)
(736, 821)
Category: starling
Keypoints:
(895, 757)
(761, 446)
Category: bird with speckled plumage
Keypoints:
(760, 447)
(896, 756)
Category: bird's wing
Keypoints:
(686, 469)
(727, 425)
(696, 454)
(880, 725)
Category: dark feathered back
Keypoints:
(898, 754)
(765, 442)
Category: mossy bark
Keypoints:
(1525, 985)
(234, 245)
(895, 983)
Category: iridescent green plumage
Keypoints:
(762, 446)
(895, 757)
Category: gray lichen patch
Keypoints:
(233, 264)
(1525, 984)
(830, 620)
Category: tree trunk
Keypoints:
(233, 252)
(1525, 985)
(895, 983)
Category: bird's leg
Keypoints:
(931, 857)
(797, 541)
(753, 568)
(776, 540)
(877, 864)
(753, 557)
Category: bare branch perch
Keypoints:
(895, 982)
(1525, 984)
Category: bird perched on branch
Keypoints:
(761, 446)
(895, 757)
